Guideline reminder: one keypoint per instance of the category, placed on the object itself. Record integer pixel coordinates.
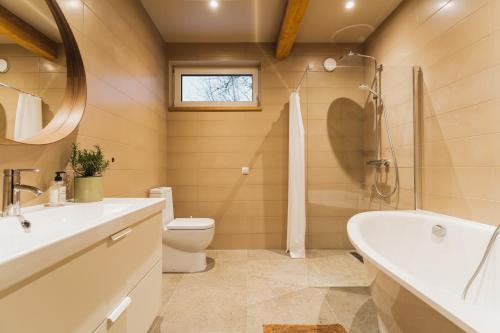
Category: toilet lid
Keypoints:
(190, 224)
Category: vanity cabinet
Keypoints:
(112, 286)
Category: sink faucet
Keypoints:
(11, 203)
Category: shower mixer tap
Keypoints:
(379, 163)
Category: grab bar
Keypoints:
(481, 264)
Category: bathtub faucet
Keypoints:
(483, 261)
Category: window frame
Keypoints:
(180, 70)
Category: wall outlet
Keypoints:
(245, 170)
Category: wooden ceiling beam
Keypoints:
(295, 12)
(17, 30)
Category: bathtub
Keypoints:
(420, 276)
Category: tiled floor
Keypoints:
(244, 289)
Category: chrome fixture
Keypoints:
(375, 90)
(439, 230)
(24, 223)
(329, 64)
(379, 163)
(4, 65)
(365, 87)
(355, 54)
(379, 105)
(12, 187)
(483, 261)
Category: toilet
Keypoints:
(185, 240)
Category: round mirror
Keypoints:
(42, 81)
(329, 64)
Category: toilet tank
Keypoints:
(166, 193)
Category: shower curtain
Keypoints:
(28, 117)
(296, 226)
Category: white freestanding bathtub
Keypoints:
(420, 275)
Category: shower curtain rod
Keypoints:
(5, 85)
(302, 78)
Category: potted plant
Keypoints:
(88, 166)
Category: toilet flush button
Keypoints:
(245, 170)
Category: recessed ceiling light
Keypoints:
(350, 4)
(213, 4)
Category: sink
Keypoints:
(58, 232)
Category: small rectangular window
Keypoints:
(219, 87)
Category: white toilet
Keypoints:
(185, 240)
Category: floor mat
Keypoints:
(336, 328)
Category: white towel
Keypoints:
(296, 227)
(28, 117)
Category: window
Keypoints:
(215, 87)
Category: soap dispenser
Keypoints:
(61, 180)
(57, 191)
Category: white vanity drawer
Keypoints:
(142, 306)
(76, 294)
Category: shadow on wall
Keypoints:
(345, 126)
(47, 114)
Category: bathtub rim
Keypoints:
(465, 315)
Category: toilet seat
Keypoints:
(190, 224)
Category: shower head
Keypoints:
(365, 87)
(355, 54)
(347, 55)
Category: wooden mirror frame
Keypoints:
(69, 114)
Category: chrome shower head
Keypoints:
(347, 55)
(355, 54)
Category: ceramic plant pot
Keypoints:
(88, 189)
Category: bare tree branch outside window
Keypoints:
(217, 88)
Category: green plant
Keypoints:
(88, 163)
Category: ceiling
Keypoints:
(329, 21)
(36, 13)
(234, 21)
(193, 21)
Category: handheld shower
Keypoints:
(365, 87)
(379, 161)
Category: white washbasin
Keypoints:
(58, 232)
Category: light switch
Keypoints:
(245, 170)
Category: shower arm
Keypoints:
(355, 54)
(308, 68)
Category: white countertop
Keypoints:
(59, 232)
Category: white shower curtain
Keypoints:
(28, 117)
(296, 228)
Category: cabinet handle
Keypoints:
(120, 234)
(113, 316)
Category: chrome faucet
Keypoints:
(12, 187)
